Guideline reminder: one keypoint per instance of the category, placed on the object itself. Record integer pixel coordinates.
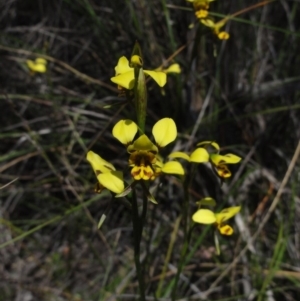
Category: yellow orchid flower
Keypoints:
(125, 74)
(38, 65)
(200, 4)
(209, 152)
(201, 7)
(144, 154)
(106, 174)
(201, 11)
(219, 162)
(206, 216)
(222, 35)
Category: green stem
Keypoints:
(187, 232)
(180, 267)
(144, 213)
(183, 250)
(137, 234)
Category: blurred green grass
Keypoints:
(245, 94)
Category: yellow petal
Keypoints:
(40, 60)
(159, 76)
(123, 66)
(199, 155)
(232, 159)
(37, 66)
(204, 216)
(174, 68)
(208, 22)
(112, 181)
(125, 80)
(181, 155)
(208, 143)
(226, 159)
(99, 165)
(226, 214)
(173, 167)
(164, 131)
(216, 158)
(143, 143)
(225, 230)
(125, 131)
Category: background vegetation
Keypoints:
(243, 93)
